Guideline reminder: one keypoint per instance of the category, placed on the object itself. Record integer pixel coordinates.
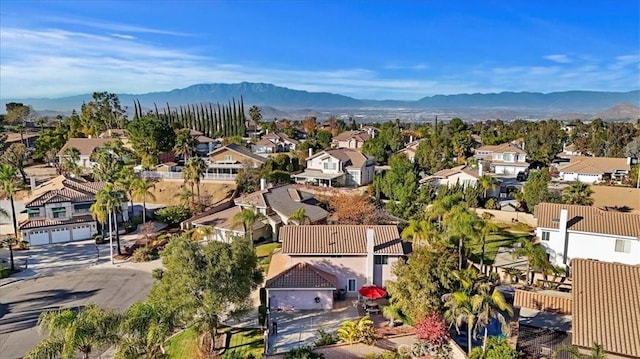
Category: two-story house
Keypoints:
(506, 158)
(315, 261)
(86, 147)
(275, 142)
(595, 169)
(571, 231)
(343, 167)
(410, 150)
(230, 159)
(350, 139)
(58, 211)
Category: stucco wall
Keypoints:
(299, 299)
(509, 217)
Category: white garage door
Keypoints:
(60, 235)
(38, 238)
(81, 232)
(300, 299)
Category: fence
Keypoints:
(509, 217)
(178, 175)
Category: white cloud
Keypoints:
(561, 59)
(124, 36)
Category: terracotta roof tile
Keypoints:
(86, 146)
(606, 306)
(357, 135)
(339, 239)
(589, 219)
(240, 150)
(501, 148)
(546, 301)
(63, 189)
(37, 223)
(302, 275)
(595, 165)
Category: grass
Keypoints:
(183, 345)
(502, 239)
(264, 251)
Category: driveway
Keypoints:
(299, 328)
(21, 303)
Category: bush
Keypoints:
(303, 353)
(324, 338)
(137, 219)
(4, 271)
(144, 254)
(98, 238)
(387, 355)
(173, 215)
(262, 314)
(492, 203)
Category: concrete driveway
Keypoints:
(21, 303)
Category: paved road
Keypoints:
(21, 303)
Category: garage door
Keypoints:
(81, 232)
(38, 238)
(300, 299)
(60, 235)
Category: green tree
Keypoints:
(420, 232)
(536, 189)
(544, 141)
(109, 203)
(247, 218)
(9, 185)
(185, 144)
(101, 113)
(69, 161)
(75, 331)
(299, 217)
(142, 188)
(17, 113)
(255, 114)
(461, 225)
(17, 156)
(422, 280)
(537, 257)
(578, 193)
(494, 348)
(204, 284)
(109, 161)
(150, 136)
(484, 229)
(441, 207)
(400, 185)
(597, 352)
(487, 183)
(145, 327)
(193, 172)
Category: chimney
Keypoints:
(32, 183)
(562, 228)
(480, 169)
(263, 184)
(370, 255)
(410, 139)
(310, 152)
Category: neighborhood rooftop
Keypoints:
(285, 200)
(589, 219)
(86, 146)
(339, 239)
(63, 189)
(596, 165)
(302, 275)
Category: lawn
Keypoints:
(264, 251)
(244, 340)
(183, 345)
(502, 239)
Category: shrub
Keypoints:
(324, 338)
(173, 215)
(432, 330)
(157, 273)
(98, 238)
(361, 331)
(386, 355)
(262, 314)
(491, 203)
(144, 254)
(303, 353)
(4, 271)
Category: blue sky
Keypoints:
(365, 49)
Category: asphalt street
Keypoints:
(21, 303)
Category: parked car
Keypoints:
(522, 176)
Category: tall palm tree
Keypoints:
(487, 183)
(185, 195)
(484, 229)
(597, 352)
(537, 257)
(141, 188)
(488, 304)
(9, 185)
(459, 310)
(185, 143)
(193, 172)
(69, 163)
(247, 218)
(110, 198)
(70, 332)
(145, 327)
(420, 231)
(440, 207)
(578, 193)
(299, 217)
(125, 182)
(460, 224)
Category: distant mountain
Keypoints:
(286, 99)
(621, 111)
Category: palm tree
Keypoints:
(537, 257)
(299, 217)
(142, 187)
(484, 229)
(597, 352)
(125, 181)
(69, 163)
(193, 172)
(461, 224)
(185, 143)
(440, 207)
(487, 183)
(185, 195)
(110, 199)
(145, 326)
(247, 218)
(578, 193)
(70, 332)
(419, 231)
(488, 304)
(9, 185)
(460, 310)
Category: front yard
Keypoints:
(264, 252)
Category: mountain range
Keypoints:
(287, 100)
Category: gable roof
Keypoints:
(241, 150)
(448, 172)
(339, 239)
(86, 146)
(502, 148)
(595, 165)
(347, 156)
(589, 219)
(355, 134)
(606, 302)
(285, 200)
(302, 275)
(63, 189)
(224, 220)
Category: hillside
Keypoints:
(621, 111)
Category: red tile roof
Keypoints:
(38, 223)
(302, 275)
(339, 239)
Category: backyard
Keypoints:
(243, 340)
(264, 252)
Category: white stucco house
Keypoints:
(316, 261)
(341, 167)
(570, 231)
(351, 139)
(86, 147)
(595, 169)
(506, 158)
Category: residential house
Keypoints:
(569, 150)
(606, 307)
(463, 175)
(571, 231)
(86, 147)
(350, 139)
(275, 142)
(26, 138)
(595, 169)
(230, 159)
(370, 130)
(205, 144)
(225, 230)
(343, 167)
(116, 133)
(317, 261)
(58, 211)
(506, 158)
(410, 150)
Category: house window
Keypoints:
(59, 212)
(228, 158)
(545, 236)
(623, 246)
(329, 166)
(351, 285)
(33, 212)
(381, 260)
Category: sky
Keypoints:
(401, 50)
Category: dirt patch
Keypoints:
(616, 197)
(166, 191)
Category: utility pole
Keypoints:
(111, 236)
